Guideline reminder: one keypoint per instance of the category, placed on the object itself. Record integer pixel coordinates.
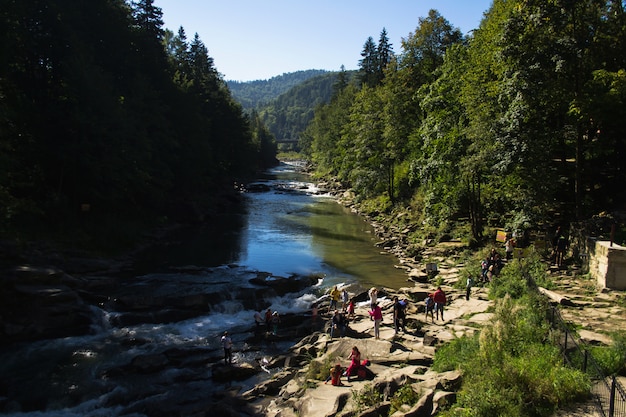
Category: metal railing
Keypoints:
(608, 393)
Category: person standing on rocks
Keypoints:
(338, 323)
(258, 319)
(268, 320)
(335, 296)
(351, 309)
(440, 301)
(430, 307)
(468, 287)
(227, 343)
(399, 315)
(345, 297)
(373, 294)
(275, 323)
(377, 315)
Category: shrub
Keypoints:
(511, 369)
(612, 359)
(405, 395)
(366, 397)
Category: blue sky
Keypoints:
(259, 39)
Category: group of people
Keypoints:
(357, 369)
(491, 265)
(435, 304)
(271, 321)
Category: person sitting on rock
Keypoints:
(335, 375)
(355, 364)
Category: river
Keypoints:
(290, 228)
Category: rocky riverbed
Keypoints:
(271, 374)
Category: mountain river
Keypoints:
(286, 228)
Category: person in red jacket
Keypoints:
(440, 301)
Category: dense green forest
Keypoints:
(288, 114)
(521, 123)
(252, 94)
(107, 118)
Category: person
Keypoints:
(314, 312)
(335, 375)
(268, 320)
(258, 319)
(355, 364)
(345, 297)
(440, 301)
(227, 343)
(430, 307)
(275, 322)
(377, 315)
(351, 308)
(399, 314)
(335, 295)
(338, 322)
(484, 269)
(468, 286)
(561, 245)
(509, 245)
(373, 294)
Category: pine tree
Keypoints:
(384, 54)
(368, 66)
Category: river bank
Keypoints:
(179, 371)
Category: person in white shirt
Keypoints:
(227, 343)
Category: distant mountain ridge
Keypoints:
(252, 94)
(286, 104)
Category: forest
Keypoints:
(518, 125)
(109, 122)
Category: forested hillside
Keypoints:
(519, 124)
(288, 115)
(107, 118)
(252, 94)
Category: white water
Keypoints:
(292, 230)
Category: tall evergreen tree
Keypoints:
(368, 65)
(384, 54)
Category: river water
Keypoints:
(290, 228)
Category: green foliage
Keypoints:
(131, 121)
(510, 369)
(253, 94)
(521, 120)
(455, 353)
(366, 397)
(518, 274)
(404, 395)
(612, 359)
(319, 370)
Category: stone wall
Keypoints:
(607, 264)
